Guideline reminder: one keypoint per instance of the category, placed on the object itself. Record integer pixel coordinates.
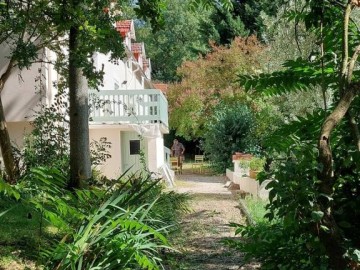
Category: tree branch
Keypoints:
(345, 46)
(351, 119)
(352, 64)
(325, 154)
(322, 51)
(296, 30)
(338, 3)
(6, 74)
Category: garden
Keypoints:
(277, 80)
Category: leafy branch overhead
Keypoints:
(299, 75)
(207, 4)
(322, 65)
(317, 166)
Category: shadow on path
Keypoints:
(202, 232)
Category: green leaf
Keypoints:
(324, 228)
(317, 215)
(9, 190)
(355, 255)
(300, 75)
(4, 212)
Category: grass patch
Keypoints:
(205, 170)
(256, 208)
(20, 237)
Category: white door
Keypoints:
(130, 151)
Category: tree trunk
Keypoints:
(5, 143)
(332, 239)
(80, 165)
(6, 149)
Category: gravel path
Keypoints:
(202, 231)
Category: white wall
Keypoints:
(19, 96)
(18, 131)
(156, 153)
(120, 158)
(118, 73)
(25, 88)
(246, 184)
(112, 167)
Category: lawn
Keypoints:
(188, 168)
(21, 236)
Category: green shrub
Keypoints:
(169, 205)
(228, 132)
(99, 151)
(276, 246)
(48, 143)
(121, 227)
(257, 164)
(290, 240)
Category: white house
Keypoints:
(132, 105)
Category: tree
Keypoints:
(208, 80)
(244, 19)
(288, 40)
(80, 164)
(178, 40)
(222, 27)
(26, 28)
(27, 31)
(325, 168)
(92, 20)
(22, 25)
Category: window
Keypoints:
(153, 98)
(134, 147)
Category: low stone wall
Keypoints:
(229, 174)
(249, 185)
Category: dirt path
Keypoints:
(202, 231)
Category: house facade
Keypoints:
(127, 109)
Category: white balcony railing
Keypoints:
(128, 106)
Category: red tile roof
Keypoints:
(137, 50)
(137, 47)
(244, 156)
(123, 27)
(161, 86)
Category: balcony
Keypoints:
(145, 106)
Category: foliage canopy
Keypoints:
(208, 80)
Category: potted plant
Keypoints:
(256, 165)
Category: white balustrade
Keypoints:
(128, 106)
